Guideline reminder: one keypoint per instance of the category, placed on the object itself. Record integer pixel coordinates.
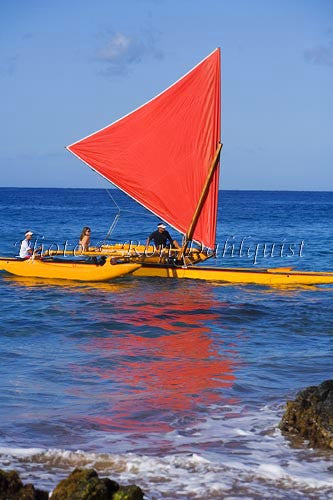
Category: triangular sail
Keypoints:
(160, 153)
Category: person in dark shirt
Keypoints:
(161, 238)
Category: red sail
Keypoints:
(160, 153)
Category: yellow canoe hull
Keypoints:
(278, 276)
(66, 270)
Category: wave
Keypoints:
(254, 463)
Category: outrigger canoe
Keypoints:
(67, 269)
(166, 156)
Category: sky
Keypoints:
(69, 68)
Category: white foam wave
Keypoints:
(252, 458)
(173, 476)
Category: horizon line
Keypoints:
(221, 189)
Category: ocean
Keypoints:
(177, 386)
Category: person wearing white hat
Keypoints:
(161, 237)
(26, 250)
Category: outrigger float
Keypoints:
(166, 156)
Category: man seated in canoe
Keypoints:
(26, 250)
(161, 238)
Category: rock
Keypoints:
(81, 484)
(12, 488)
(311, 415)
(128, 493)
(84, 484)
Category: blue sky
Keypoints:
(68, 68)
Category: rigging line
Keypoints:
(115, 220)
(127, 210)
(110, 231)
(139, 213)
(114, 201)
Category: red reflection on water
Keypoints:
(156, 377)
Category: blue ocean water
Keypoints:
(176, 385)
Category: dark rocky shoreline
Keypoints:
(81, 484)
(310, 416)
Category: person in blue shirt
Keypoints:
(161, 238)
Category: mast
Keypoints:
(190, 231)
